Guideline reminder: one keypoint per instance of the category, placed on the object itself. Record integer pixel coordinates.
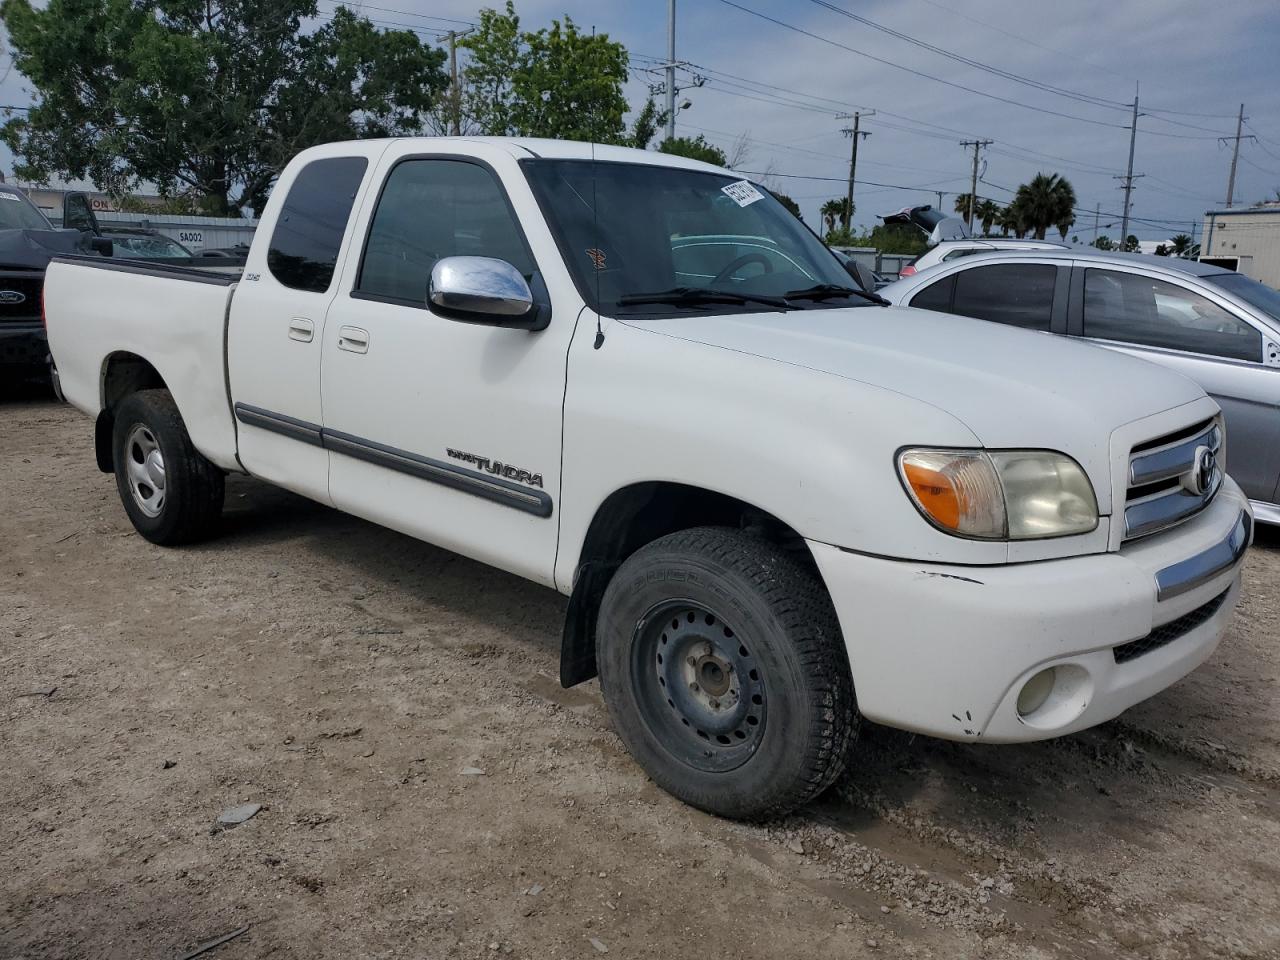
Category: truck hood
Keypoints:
(1010, 387)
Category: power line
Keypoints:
(950, 132)
(1270, 173)
(812, 153)
(404, 13)
(1061, 53)
(1018, 36)
(949, 83)
(969, 61)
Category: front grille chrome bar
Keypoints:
(1172, 460)
(1204, 566)
(1164, 509)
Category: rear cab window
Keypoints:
(308, 233)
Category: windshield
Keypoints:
(1250, 291)
(664, 237)
(17, 212)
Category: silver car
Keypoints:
(1217, 327)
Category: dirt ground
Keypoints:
(351, 681)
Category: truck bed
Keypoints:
(103, 311)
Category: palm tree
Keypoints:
(1015, 218)
(1047, 201)
(988, 212)
(1181, 245)
(834, 210)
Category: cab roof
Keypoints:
(520, 147)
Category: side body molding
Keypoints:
(496, 489)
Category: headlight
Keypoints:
(1000, 495)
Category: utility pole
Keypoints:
(1128, 178)
(854, 132)
(1097, 210)
(1235, 153)
(455, 92)
(671, 69)
(973, 184)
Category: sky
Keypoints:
(779, 73)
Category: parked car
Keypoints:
(949, 239)
(28, 241)
(1217, 327)
(227, 256)
(149, 245)
(950, 250)
(757, 491)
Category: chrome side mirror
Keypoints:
(480, 290)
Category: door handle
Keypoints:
(353, 339)
(301, 329)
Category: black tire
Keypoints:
(722, 604)
(193, 488)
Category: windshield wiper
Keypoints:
(827, 291)
(697, 295)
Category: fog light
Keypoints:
(1035, 692)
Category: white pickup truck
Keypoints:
(637, 379)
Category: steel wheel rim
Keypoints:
(144, 469)
(698, 686)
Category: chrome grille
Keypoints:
(1172, 478)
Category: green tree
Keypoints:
(1180, 245)
(787, 202)
(987, 212)
(695, 148)
(1047, 201)
(645, 125)
(836, 209)
(208, 98)
(555, 82)
(840, 237)
(1131, 244)
(893, 238)
(1103, 243)
(1162, 250)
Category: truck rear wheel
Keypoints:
(171, 492)
(725, 673)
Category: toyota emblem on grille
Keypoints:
(12, 296)
(1203, 473)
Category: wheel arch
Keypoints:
(636, 515)
(123, 373)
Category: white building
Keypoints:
(1245, 239)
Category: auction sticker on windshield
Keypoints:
(743, 193)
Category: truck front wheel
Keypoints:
(725, 674)
(171, 492)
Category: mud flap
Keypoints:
(103, 428)
(578, 644)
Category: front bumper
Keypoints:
(23, 345)
(946, 650)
